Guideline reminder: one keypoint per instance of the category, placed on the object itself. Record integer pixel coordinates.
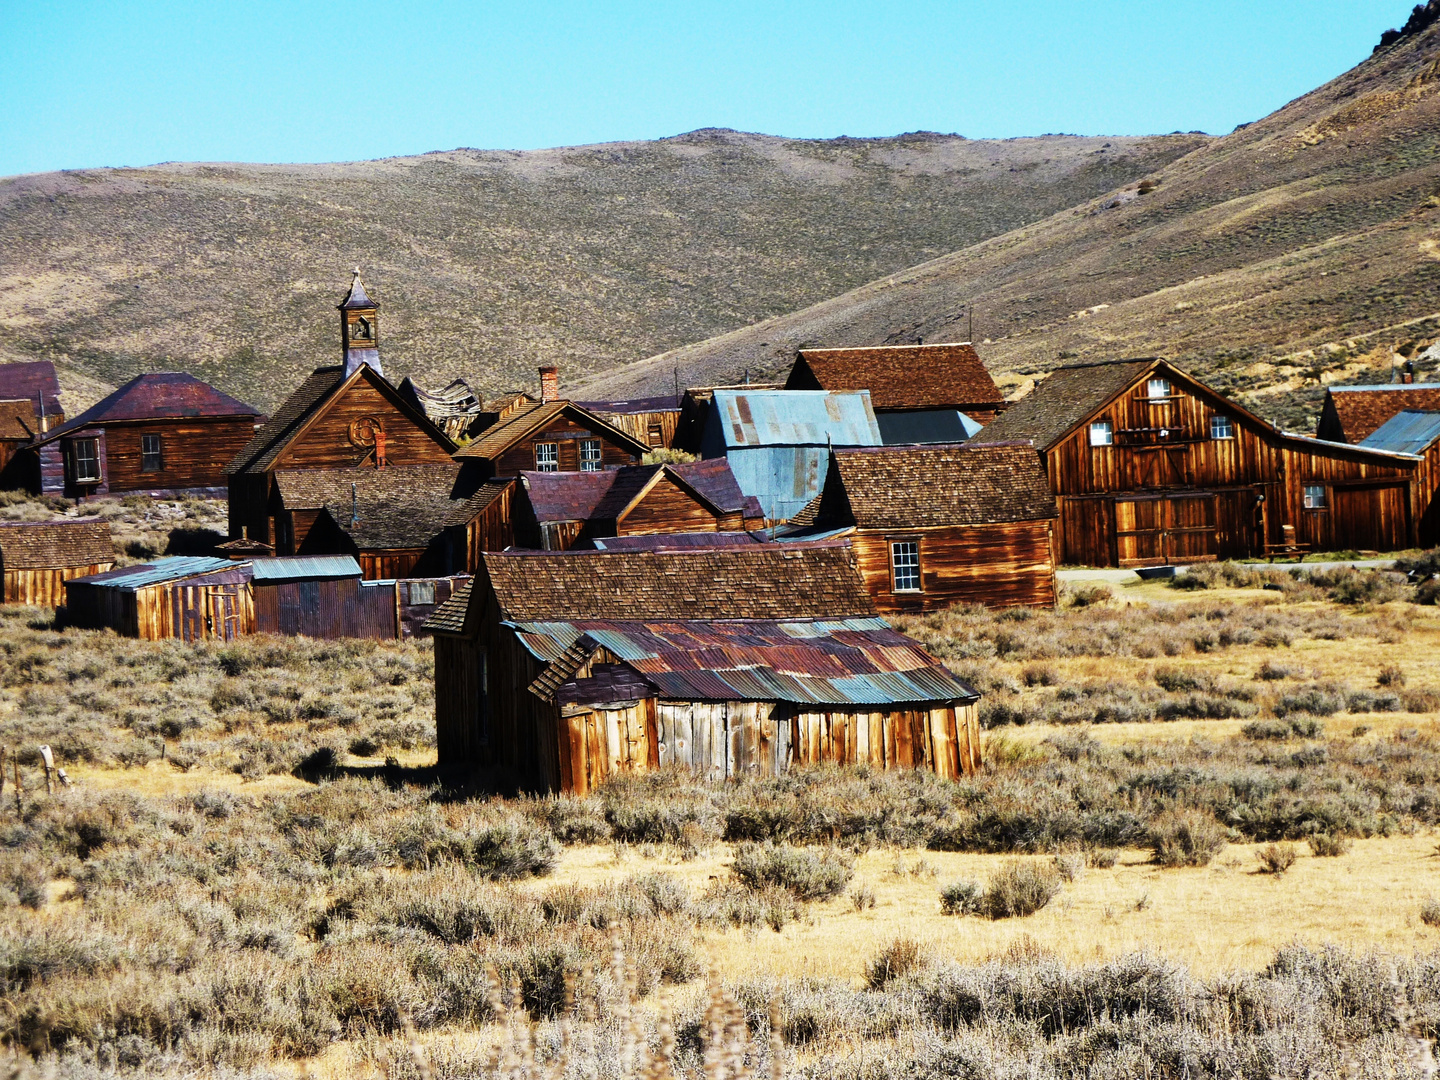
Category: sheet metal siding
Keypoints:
(782, 478)
(793, 418)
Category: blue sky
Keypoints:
(128, 83)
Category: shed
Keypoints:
(192, 598)
(322, 597)
(38, 557)
(940, 525)
(164, 433)
(1150, 466)
(557, 671)
(778, 442)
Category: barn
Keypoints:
(192, 598)
(165, 433)
(557, 671)
(38, 557)
(933, 526)
(1149, 466)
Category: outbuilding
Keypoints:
(557, 671)
(38, 557)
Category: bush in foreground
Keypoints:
(1186, 838)
(1020, 889)
(809, 873)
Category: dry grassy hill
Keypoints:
(1301, 247)
(487, 263)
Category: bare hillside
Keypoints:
(487, 263)
(1299, 249)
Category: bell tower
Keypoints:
(359, 329)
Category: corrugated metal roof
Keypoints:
(130, 578)
(305, 567)
(860, 661)
(1408, 432)
(792, 418)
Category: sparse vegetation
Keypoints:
(1021, 888)
(1276, 858)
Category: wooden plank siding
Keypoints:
(193, 452)
(566, 434)
(186, 610)
(45, 587)
(1003, 565)
(667, 508)
(655, 429)
(324, 442)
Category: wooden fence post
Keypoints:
(4, 751)
(19, 788)
(49, 759)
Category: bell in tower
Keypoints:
(359, 329)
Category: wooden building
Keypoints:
(192, 598)
(38, 557)
(557, 671)
(166, 433)
(1149, 466)
(1417, 432)
(558, 511)
(938, 393)
(326, 597)
(652, 420)
(19, 427)
(551, 436)
(395, 519)
(1351, 414)
(933, 526)
(484, 522)
(344, 417)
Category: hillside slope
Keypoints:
(488, 263)
(1317, 225)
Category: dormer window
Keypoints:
(1157, 389)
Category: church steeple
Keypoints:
(359, 328)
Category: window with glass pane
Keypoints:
(1221, 428)
(1102, 434)
(1158, 388)
(87, 460)
(547, 457)
(150, 458)
(422, 592)
(1314, 496)
(905, 565)
(590, 455)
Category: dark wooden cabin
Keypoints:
(730, 663)
(933, 526)
(558, 511)
(165, 434)
(1149, 466)
(551, 436)
(343, 417)
(29, 408)
(394, 520)
(916, 390)
(38, 557)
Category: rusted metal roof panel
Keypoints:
(792, 418)
(802, 662)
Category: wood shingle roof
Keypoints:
(918, 486)
(275, 433)
(48, 545)
(1354, 413)
(397, 507)
(1064, 399)
(901, 376)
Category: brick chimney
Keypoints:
(549, 383)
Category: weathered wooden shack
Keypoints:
(347, 416)
(1149, 466)
(933, 526)
(193, 598)
(939, 393)
(322, 597)
(557, 671)
(558, 511)
(393, 519)
(778, 442)
(651, 420)
(165, 433)
(38, 557)
(551, 436)
(483, 522)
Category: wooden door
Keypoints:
(1139, 532)
(1156, 532)
(1190, 529)
(1370, 518)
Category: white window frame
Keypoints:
(1316, 497)
(93, 444)
(905, 560)
(1158, 383)
(1222, 427)
(592, 455)
(1102, 433)
(158, 454)
(547, 457)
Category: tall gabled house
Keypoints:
(938, 393)
(342, 417)
(1149, 466)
